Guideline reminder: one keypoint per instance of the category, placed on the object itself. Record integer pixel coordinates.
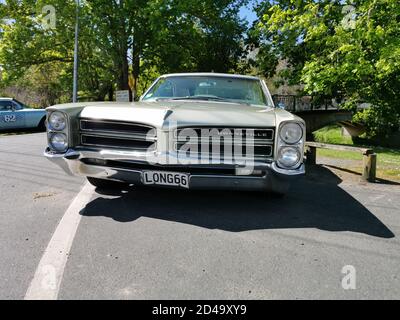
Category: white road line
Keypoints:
(46, 282)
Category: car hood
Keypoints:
(164, 114)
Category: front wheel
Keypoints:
(106, 184)
(42, 125)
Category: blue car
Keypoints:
(16, 115)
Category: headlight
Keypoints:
(288, 157)
(291, 133)
(57, 121)
(59, 142)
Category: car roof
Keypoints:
(6, 99)
(209, 74)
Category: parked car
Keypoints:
(191, 131)
(16, 115)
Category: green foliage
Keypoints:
(118, 41)
(388, 165)
(331, 134)
(345, 49)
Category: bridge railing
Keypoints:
(295, 103)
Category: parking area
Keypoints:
(170, 244)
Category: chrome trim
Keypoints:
(150, 148)
(261, 156)
(254, 141)
(234, 141)
(290, 172)
(267, 94)
(103, 134)
(229, 128)
(275, 179)
(157, 158)
(113, 122)
(117, 134)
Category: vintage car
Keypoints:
(16, 115)
(190, 131)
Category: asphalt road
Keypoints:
(163, 244)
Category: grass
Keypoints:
(388, 160)
(331, 134)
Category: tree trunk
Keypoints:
(111, 93)
(135, 66)
(123, 76)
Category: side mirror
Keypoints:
(281, 105)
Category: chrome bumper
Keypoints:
(273, 179)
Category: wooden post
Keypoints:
(369, 167)
(311, 155)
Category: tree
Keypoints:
(28, 46)
(119, 41)
(350, 50)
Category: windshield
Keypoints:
(226, 89)
(24, 106)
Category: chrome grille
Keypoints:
(115, 134)
(256, 143)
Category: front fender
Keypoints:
(33, 117)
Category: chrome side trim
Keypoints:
(289, 172)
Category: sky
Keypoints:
(248, 13)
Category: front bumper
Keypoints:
(73, 162)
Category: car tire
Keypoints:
(106, 184)
(42, 124)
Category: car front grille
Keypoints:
(225, 143)
(115, 134)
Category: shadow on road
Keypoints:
(377, 180)
(315, 201)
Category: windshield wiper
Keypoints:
(206, 98)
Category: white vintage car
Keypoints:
(190, 131)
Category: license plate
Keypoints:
(166, 178)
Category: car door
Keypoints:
(21, 114)
(11, 115)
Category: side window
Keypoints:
(16, 106)
(5, 105)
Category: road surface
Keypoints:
(327, 239)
